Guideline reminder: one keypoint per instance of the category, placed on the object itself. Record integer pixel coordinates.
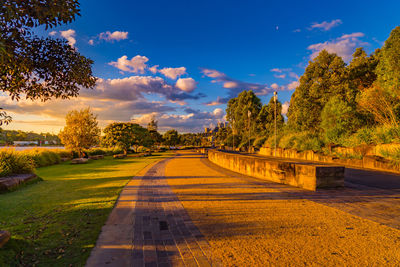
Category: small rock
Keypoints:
(119, 156)
(96, 157)
(79, 161)
(4, 237)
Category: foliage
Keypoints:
(361, 70)
(125, 135)
(388, 69)
(4, 117)
(337, 120)
(323, 78)
(301, 141)
(38, 67)
(266, 118)
(380, 103)
(237, 113)
(171, 138)
(12, 162)
(259, 142)
(81, 130)
(190, 139)
(42, 157)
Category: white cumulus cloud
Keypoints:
(70, 36)
(293, 85)
(136, 64)
(173, 73)
(343, 46)
(285, 107)
(186, 84)
(113, 36)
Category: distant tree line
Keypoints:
(9, 136)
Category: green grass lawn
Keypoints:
(56, 222)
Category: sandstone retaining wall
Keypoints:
(368, 162)
(304, 175)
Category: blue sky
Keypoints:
(204, 51)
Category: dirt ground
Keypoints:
(253, 223)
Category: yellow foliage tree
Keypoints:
(81, 130)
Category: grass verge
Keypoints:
(56, 222)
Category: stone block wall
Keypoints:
(372, 162)
(307, 176)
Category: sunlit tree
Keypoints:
(81, 130)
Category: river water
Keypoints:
(21, 148)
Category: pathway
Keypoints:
(152, 230)
(186, 211)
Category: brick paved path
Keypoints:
(157, 229)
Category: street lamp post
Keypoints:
(249, 114)
(275, 99)
(233, 135)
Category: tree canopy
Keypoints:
(125, 135)
(81, 130)
(388, 69)
(37, 67)
(171, 138)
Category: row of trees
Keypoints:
(82, 132)
(335, 103)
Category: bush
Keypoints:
(99, 151)
(13, 162)
(42, 157)
(301, 141)
(259, 141)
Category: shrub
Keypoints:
(42, 157)
(386, 134)
(365, 136)
(63, 153)
(99, 151)
(301, 141)
(13, 162)
(259, 141)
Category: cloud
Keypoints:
(285, 107)
(137, 87)
(136, 64)
(193, 121)
(325, 25)
(343, 46)
(280, 76)
(173, 73)
(53, 33)
(113, 36)
(154, 69)
(293, 85)
(231, 84)
(111, 99)
(186, 84)
(294, 75)
(219, 101)
(70, 36)
(91, 42)
(234, 86)
(278, 70)
(219, 113)
(297, 30)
